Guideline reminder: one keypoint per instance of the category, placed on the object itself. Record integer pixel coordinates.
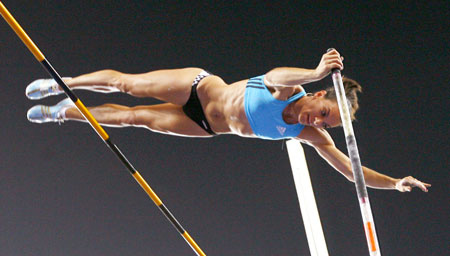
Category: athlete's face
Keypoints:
(316, 111)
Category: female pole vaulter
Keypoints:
(199, 104)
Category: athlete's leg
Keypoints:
(164, 118)
(171, 85)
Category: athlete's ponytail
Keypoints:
(351, 89)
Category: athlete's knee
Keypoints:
(128, 117)
(116, 79)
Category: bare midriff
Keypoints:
(223, 105)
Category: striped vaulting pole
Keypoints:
(361, 190)
(96, 126)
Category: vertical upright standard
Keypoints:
(361, 190)
(307, 201)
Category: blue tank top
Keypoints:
(265, 113)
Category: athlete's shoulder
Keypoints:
(315, 136)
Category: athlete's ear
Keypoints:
(320, 93)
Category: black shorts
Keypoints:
(193, 108)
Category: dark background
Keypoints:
(62, 192)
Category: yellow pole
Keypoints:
(96, 126)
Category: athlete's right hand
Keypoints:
(408, 183)
(329, 61)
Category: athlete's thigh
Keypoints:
(167, 118)
(169, 85)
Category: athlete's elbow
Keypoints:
(323, 145)
(275, 75)
(275, 70)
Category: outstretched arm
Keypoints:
(287, 76)
(324, 145)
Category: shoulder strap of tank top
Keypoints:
(296, 96)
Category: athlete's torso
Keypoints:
(224, 108)
(265, 112)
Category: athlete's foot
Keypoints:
(42, 88)
(45, 114)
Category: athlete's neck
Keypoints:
(289, 114)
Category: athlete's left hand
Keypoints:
(406, 184)
(329, 61)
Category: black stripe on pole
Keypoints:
(58, 79)
(172, 219)
(121, 156)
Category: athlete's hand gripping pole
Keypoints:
(95, 125)
(361, 190)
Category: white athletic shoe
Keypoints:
(42, 88)
(44, 114)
